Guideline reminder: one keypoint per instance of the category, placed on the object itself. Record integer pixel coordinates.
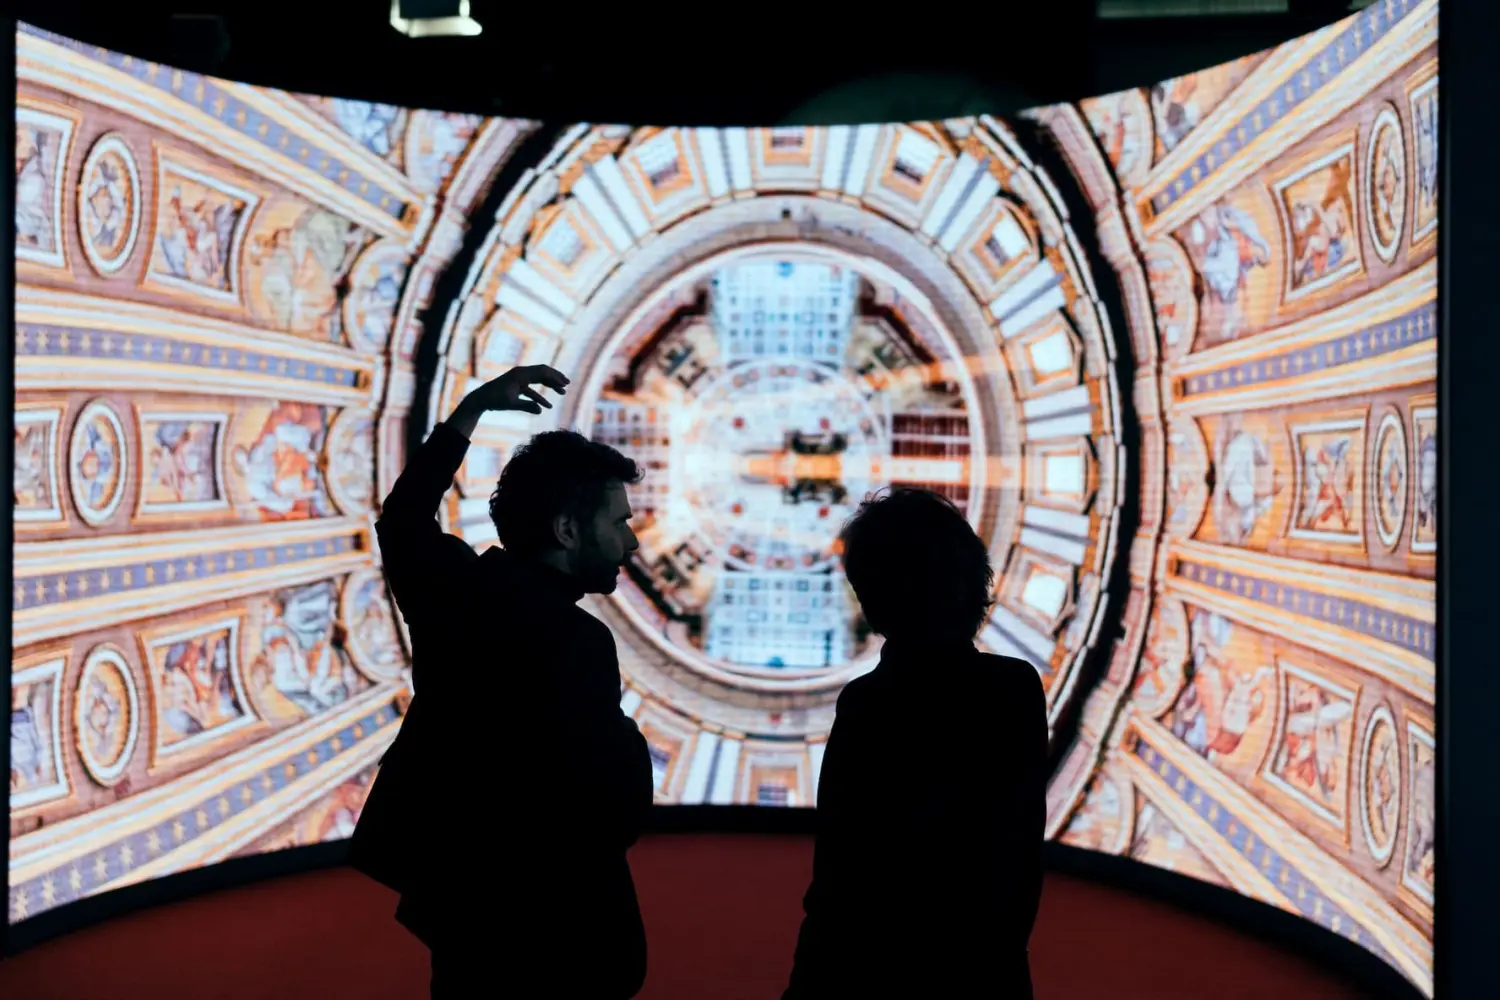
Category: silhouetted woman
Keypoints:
(931, 804)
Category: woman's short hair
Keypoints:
(917, 566)
(556, 472)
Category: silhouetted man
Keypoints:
(503, 810)
(928, 867)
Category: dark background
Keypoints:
(684, 64)
(711, 66)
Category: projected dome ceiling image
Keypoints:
(1172, 352)
(775, 323)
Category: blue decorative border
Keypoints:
(1301, 892)
(44, 340)
(207, 96)
(1399, 630)
(1363, 31)
(86, 876)
(1415, 327)
(50, 589)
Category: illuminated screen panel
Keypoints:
(1267, 723)
(218, 288)
(1172, 351)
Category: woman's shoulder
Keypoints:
(858, 691)
(1013, 678)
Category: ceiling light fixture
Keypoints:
(455, 24)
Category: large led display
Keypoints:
(1172, 351)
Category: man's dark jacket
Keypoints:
(503, 809)
(927, 872)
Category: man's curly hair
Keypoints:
(556, 472)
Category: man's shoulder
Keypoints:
(524, 608)
(590, 628)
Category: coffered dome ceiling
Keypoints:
(775, 323)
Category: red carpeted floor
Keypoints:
(721, 914)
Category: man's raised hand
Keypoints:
(513, 390)
(518, 389)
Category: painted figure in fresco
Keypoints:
(1152, 831)
(297, 646)
(1173, 330)
(30, 760)
(300, 267)
(353, 466)
(1160, 843)
(197, 691)
(281, 466)
(1391, 482)
(195, 239)
(342, 814)
(95, 466)
(1425, 129)
(1390, 187)
(1328, 486)
(33, 478)
(33, 189)
(108, 205)
(1218, 707)
(1228, 245)
(439, 147)
(1421, 848)
(1113, 120)
(374, 627)
(373, 126)
(1427, 458)
(1161, 672)
(1384, 786)
(1323, 226)
(101, 719)
(1101, 815)
(1175, 110)
(376, 302)
(1314, 739)
(182, 462)
(1169, 274)
(1246, 487)
(1180, 481)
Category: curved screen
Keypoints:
(1172, 351)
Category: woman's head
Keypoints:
(917, 567)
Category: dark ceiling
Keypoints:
(690, 65)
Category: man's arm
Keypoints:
(608, 780)
(418, 558)
(623, 785)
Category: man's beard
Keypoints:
(598, 575)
